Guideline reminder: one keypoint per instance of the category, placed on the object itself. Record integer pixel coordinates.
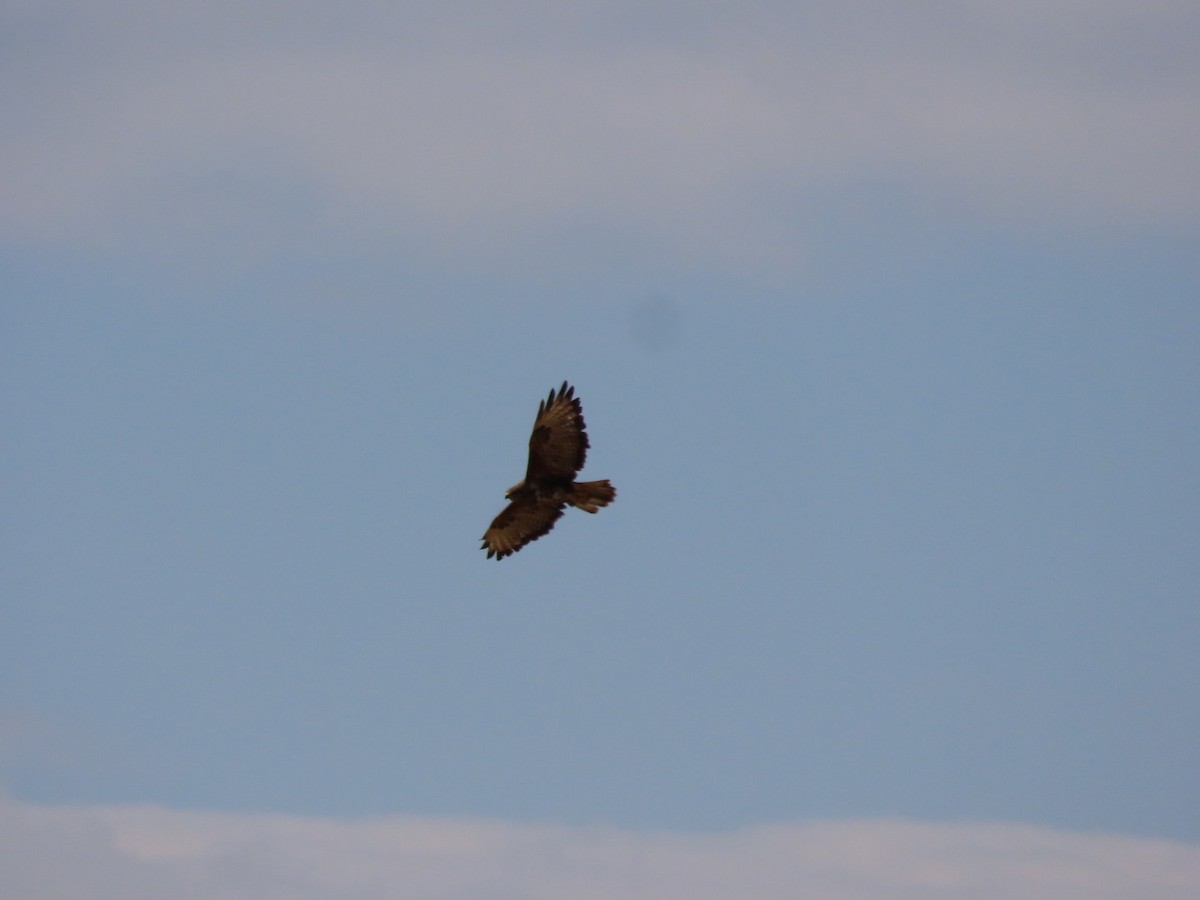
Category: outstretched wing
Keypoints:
(525, 519)
(559, 443)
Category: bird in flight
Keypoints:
(557, 449)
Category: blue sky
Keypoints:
(885, 326)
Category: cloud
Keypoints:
(149, 852)
(700, 134)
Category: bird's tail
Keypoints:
(591, 495)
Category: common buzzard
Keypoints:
(557, 449)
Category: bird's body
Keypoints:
(557, 450)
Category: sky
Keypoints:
(885, 322)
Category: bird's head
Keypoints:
(514, 490)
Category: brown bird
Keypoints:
(557, 449)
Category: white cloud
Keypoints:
(699, 132)
(146, 852)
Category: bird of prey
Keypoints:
(557, 449)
